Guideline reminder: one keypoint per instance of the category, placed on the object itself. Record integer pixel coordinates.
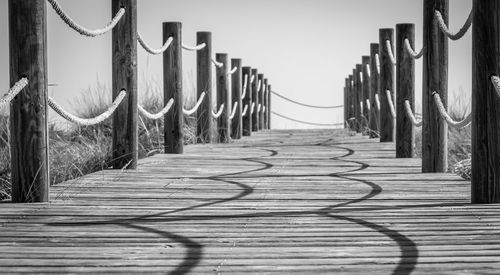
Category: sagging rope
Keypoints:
(15, 90)
(158, 115)
(82, 30)
(88, 121)
(377, 63)
(388, 46)
(308, 123)
(196, 106)
(245, 110)
(307, 105)
(193, 48)
(411, 51)
(232, 71)
(444, 114)
(245, 85)
(495, 80)
(377, 102)
(233, 113)
(410, 115)
(219, 113)
(391, 104)
(446, 31)
(216, 63)
(150, 49)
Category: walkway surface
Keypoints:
(280, 201)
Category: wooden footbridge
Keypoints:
(279, 201)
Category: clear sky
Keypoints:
(305, 47)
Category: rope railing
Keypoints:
(219, 112)
(232, 71)
(245, 110)
(377, 63)
(196, 106)
(308, 123)
(88, 121)
(13, 92)
(411, 51)
(233, 112)
(446, 31)
(151, 50)
(377, 102)
(158, 115)
(306, 105)
(495, 80)
(388, 46)
(410, 115)
(217, 63)
(245, 85)
(391, 104)
(82, 30)
(193, 48)
(444, 114)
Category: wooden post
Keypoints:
(247, 101)
(366, 93)
(255, 98)
(485, 102)
(124, 55)
(405, 90)
(435, 78)
(346, 102)
(236, 87)
(260, 101)
(354, 100)
(374, 80)
(386, 83)
(204, 84)
(172, 86)
(264, 104)
(270, 90)
(28, 113)
(352, 96)
(359, 100)
(223, 127)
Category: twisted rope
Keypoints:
(244, 113)
(368, 72)
(377, 62)
(219, 113)
(263, 109)
(245, 85)
(252, 79)
(377, 102)
(15, 90)
(259, 87)
(216, 63)
(196, 106)
(361, 106)
(452, 123)
(446, 31)
(252, 108)
(232, 71)
(88, 121)
(233, 113)
(258, 109)
(495, 80)
(410, 115)
(361, 77)
(412, 52)
(305, 122)
(193, 48)
(391, 104)
(368, 104)
(388, 46)
(158, 115)
(307, 105)
(82, 30)
(150, 49)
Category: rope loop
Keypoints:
(13, 92)
(444, 114)
(244, 113)
(196, 106)
(193, 48)
(412, 52)
(158, 115)
(410, 114)
(233, 113)
(446, 30)
(150, 49)
(232, 71)
(219, 113)
(217, 63)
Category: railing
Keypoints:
(392, 101)
(29, 100)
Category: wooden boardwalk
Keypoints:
(280, 201)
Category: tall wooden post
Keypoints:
(236, 88)
(223, 127)
(435, 79)
(260, 97)
(28, 113)
(355, 102)
(255, 98)
(405, 90)
(204, 84)
(261, 102)
(358, 83)
(346, 102)
(264, 104)
(352, 96)
(247, 101)
(374, 80)
(485, 102)
(366, 93)
(386, 83)
(270, 90)
(172, 86)
(124, 55)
